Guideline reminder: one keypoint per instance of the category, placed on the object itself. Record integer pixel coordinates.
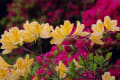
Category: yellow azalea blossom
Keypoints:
(36, 77)
(107, 76)
(7, 44)
(76, 64)
(110, 25)
(29, 35)
(28, 63)
(3, 73)
(15, 75)
(98, 28)
(79, 29)
(58, 36)
(45, 30)
(96, 39)
(61, 69)
(10, 39)
(23, 65)
(67, 27)
(20, 67)
(42, 30)
(35, 28)
(16, 35)
(14, 72)
(3, 63)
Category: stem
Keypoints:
(28, 50)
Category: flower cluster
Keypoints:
(76, 54)
(32, 31)
(14, 72)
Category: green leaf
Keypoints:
(36, 66)
(99, 60)
(61, 47)
(108, 56)
(118, 36)
(55, 52)
(81, 60)
(94, 67)
(72, 70)
(91, 56)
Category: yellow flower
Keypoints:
(16, 36)
(23, 65)
(107, 76)
(20, 67)
(79, 29)
(15, 75)
(111, 25)
(3, 73)
(34, 30)
(3, 63)
(67, 27)
(98, 28)
(45, 30)
(11, 39)
(96, 39)
(58, 36)
(36, 77)
(29, 35)
(61, 69)
(76, 64)
(28, 62)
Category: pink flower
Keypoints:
(49, 54)
(39, 59)
(47, 60)
(118, 63)
(53, 48)
(40, 71)
(49, 73)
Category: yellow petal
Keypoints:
(57, 41)
(76, 64)
(67, 27)
(45, 30)
(36, 77)
(96, 39)
(98, 28)
(111, 25)
(61, 69)
(107, 76)
(3, 63)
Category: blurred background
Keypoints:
(16, 12)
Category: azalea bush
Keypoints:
(91, 15)
(76, 53)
